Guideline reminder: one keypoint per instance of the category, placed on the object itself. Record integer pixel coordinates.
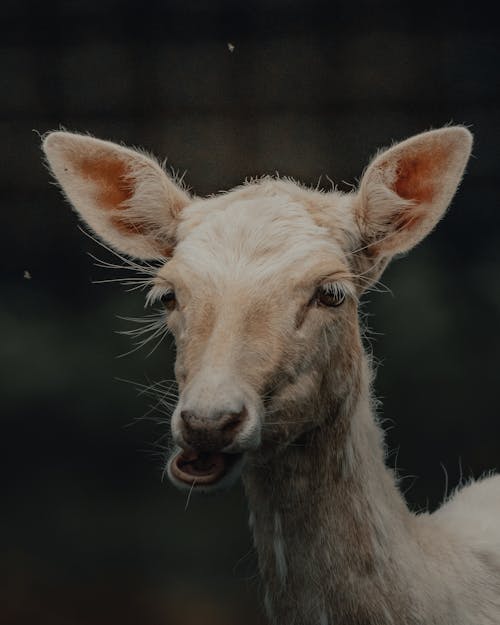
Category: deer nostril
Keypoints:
(211, 433)
(223, 421)
(187, 416)
(231, 420)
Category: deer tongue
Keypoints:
(198, 467)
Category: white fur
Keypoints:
(352, 551)
(268, 606)
(383, 205)
(279, 550)
(152, 207)
(269, 238)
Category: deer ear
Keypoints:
(123, 195)
(406, 190)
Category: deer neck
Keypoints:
(325, 515)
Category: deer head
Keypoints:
(261, 284)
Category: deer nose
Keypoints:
(212, 433)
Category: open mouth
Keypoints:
(198, 468)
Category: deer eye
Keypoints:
(168, 300)
(330, 294)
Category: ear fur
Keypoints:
(123, 195)
(406, 189)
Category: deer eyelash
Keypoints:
(156, 293)
(338, 288)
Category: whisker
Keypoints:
(149, 388)
(146, 266)
(189, 494)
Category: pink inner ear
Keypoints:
(417, 173)
(114, 187)
(110, 175)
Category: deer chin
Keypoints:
(204, 471)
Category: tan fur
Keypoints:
(335, 540)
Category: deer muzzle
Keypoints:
(214, 426)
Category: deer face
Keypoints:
(261, 284)
(261, 299)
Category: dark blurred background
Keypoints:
(89, 533)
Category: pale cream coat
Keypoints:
(336, 541)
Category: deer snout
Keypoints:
(211, 433)
(217, 413)
(214, 430)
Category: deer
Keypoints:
(260, 287)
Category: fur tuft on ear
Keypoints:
(406, 190)
(123, 195)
